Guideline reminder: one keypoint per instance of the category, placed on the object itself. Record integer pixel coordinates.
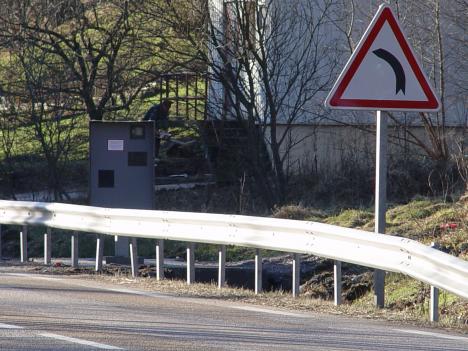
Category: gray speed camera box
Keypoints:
(121, 167)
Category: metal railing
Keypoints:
(379, 251)
(187, 90)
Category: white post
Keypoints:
(221, 266)
(99, 251)
(160, 259)
(190, 263)
(258, 272)
(134, 256)
(380, 200)
(337, 282)
(74, 250)
(48, 246)
(296, 274)
(24, 244)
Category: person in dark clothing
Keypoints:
(160, 115)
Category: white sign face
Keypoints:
(115, 145)
(383, 73)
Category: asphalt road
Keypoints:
(49, 313)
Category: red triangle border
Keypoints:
(336, 101)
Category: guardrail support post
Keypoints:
(48, 246)
(434, 307)
(258, 271)
(380, 199)
(222, 266)
(24, 244)
(160, 260)
(434, 303)
(190, 263)
(296, 274)
(99, 251)
(134, 257)
(337, 282)
(74, 250)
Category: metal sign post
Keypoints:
(380, 198)
(382, 74)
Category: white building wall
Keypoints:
(215, 89)
(326, 148)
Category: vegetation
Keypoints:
(73, 61)
(425, 220)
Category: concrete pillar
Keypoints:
(296, 274)
(99, 251)
(160, 259)
(134, 256)
(48, 246)
(74, 250)
(190, 263)
(337, 282)
(24, 244)
(221, 266)
(258, 272)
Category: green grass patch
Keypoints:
(352, 218)
(424, 220)
(411, 298)
(299, 212)
(412, 211)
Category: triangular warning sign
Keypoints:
(383, 72)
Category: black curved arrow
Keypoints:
(397, 68)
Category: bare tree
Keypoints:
(268, 62)
(92, 46)
(64, 60)
(55, 127)
(29, 106)
(8, 143)
(461, 160)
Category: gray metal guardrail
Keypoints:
(384, 252)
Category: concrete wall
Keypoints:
(320, 147)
